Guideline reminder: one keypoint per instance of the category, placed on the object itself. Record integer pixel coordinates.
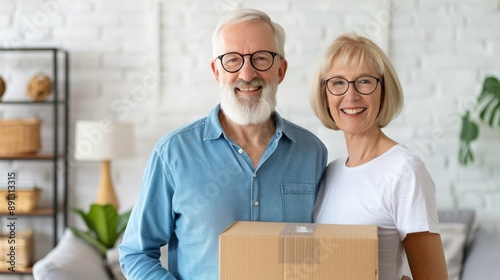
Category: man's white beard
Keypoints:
(245, 110)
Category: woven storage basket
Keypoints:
(19, 136)
(25, 200)
(23, 249)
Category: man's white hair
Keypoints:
(246, 16)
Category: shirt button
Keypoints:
(240, 151)
(256, 203)
(255, 175)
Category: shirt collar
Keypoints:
(213, 129)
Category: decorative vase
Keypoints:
(39, 87)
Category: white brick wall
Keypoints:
(441, 49)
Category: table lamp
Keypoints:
(104, 141)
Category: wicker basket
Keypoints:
(25, 200)
(19, 136)
(23, 249)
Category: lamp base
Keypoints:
(106, 193)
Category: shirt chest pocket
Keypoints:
(298, 202)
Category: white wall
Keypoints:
(148, 62)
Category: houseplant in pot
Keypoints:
(104, 225)
(486, 111)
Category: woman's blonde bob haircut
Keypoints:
(352, 50)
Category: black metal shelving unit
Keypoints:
(59, 157)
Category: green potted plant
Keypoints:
(487, 110)
(104, 224)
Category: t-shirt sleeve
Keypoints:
(414, 200)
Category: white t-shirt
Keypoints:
(394, 191)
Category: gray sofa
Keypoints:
(471, 254)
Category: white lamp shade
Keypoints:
(103, 140)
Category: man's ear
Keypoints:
(282, 70)
(215, 70)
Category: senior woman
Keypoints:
(379, 181)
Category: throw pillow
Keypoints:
(73, 258)
(454, 237)
(464, 216)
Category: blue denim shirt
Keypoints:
(198, 182)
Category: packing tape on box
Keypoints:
(297, 245)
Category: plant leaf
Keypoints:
(470, 130)
(496, 111)
(85, 218)
(489, 101)
(105, 219)
(122, 222)
(469, 133)
(90, 239)
(465, 155)
(105, 226)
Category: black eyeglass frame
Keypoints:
(379, 80)
(273, 54)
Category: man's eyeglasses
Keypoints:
(364, 85)
(232, 62)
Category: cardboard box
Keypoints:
(265, 250)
